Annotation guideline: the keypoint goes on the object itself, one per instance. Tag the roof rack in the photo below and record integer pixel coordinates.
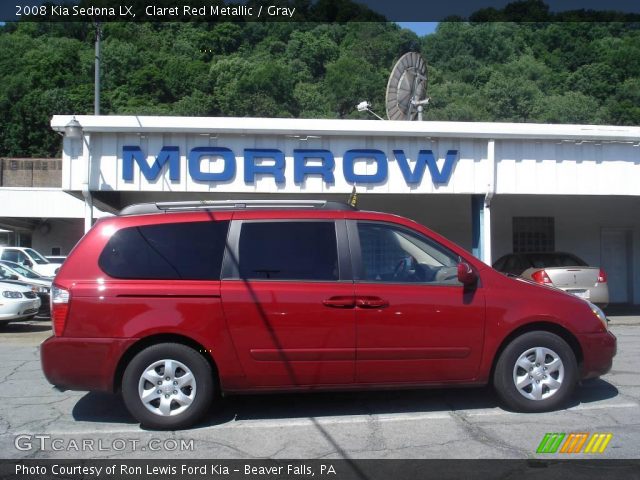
(164, 207)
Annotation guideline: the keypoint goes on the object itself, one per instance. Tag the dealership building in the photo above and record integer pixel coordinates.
(494, 188)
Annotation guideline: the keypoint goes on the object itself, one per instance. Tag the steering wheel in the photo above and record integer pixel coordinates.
(403, 266)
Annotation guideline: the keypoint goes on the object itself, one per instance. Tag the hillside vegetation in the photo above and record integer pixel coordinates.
(564, 72)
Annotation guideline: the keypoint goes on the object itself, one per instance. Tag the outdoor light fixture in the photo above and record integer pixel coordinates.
(73, 129)
(366, 107)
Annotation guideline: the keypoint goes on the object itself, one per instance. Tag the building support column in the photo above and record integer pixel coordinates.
(88, 208)
(477, 225)
(481, 211)
(86, 187)
(486, 229)
(491, 190)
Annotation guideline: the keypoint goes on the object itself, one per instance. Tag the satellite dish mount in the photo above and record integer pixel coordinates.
(407, 88)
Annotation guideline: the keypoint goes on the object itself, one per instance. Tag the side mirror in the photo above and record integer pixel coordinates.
(13, 277)
(466, 275)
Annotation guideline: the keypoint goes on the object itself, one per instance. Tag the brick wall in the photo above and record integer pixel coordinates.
(30, 172)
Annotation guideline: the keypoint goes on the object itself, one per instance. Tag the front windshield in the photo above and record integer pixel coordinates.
(39, 259)
(6, 274)
(24, 271)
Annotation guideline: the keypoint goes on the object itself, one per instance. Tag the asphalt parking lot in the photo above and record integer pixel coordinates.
(39, 422)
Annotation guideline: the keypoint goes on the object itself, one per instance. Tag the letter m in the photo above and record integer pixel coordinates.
(131, 153)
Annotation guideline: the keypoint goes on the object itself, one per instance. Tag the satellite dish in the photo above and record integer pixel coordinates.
(407, 88)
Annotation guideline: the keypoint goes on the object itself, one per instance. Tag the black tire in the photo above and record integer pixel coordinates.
(205, 386)
(504, 382)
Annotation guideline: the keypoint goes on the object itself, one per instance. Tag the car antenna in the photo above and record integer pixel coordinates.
(353, 198)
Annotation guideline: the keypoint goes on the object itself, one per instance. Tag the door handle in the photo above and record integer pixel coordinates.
(339, 302)
(371, 302)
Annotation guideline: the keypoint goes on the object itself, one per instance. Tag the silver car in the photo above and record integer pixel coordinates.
(17, 302)
(11, 271)
(561, 270)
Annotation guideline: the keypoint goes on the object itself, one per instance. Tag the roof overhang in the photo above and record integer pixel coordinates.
(297, 127)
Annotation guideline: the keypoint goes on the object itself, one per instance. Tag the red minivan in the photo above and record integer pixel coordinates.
(174, 303)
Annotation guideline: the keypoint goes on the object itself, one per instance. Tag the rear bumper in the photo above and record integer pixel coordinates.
(598, 294)
(82, 363)
(599, 350)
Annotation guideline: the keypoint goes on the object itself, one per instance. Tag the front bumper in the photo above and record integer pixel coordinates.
(18, 310)
(82, 363)
(598, 351)
(45, 305)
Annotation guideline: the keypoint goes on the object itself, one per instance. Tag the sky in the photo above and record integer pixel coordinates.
(421, 28)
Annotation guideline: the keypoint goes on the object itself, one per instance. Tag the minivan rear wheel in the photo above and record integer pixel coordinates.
(168, 386)
(536, 372)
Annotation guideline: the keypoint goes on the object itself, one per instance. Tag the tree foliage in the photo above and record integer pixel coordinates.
(563, 72)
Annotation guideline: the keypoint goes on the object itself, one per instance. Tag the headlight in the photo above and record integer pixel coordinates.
(10, 294)
(597, 311)
(39, 289)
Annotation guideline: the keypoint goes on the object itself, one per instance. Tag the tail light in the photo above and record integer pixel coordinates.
(541, 277)
(59, 309)
(602, 276)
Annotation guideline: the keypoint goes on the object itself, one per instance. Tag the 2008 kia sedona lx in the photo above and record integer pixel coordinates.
(173, 303)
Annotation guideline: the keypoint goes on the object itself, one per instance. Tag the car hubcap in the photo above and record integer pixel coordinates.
(538, 373)
(167, 387)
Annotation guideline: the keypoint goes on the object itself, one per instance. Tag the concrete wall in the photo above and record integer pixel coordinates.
(30, 172)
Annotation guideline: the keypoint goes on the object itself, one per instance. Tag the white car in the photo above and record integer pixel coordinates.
(30, 258)
(17, 302)
(11, 272)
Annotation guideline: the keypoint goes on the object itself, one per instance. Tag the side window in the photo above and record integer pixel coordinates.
(288, 251)
(172, 251)
(394, 254)
(14, 256)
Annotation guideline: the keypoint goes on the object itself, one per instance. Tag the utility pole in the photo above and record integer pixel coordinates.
(96, 92)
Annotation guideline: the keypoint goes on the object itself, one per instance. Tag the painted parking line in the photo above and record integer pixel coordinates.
(353, 419)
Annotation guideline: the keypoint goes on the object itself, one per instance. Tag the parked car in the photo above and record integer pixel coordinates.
(17, 302)
(30, 258)
(39, 284)
(561, 270)
(173, 303)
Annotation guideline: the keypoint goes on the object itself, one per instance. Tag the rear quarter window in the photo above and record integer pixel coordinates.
(172, 251)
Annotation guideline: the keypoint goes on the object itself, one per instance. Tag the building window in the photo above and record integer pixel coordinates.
(533, 234)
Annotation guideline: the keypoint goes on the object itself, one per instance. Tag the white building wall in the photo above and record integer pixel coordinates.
(530, 158)
(41, 203)
(567, 167)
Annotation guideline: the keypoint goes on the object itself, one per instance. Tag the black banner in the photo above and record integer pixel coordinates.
(319, 469)
(317, 10)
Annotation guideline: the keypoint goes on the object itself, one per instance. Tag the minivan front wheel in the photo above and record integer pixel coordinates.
(536, 372)
(168, 386)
